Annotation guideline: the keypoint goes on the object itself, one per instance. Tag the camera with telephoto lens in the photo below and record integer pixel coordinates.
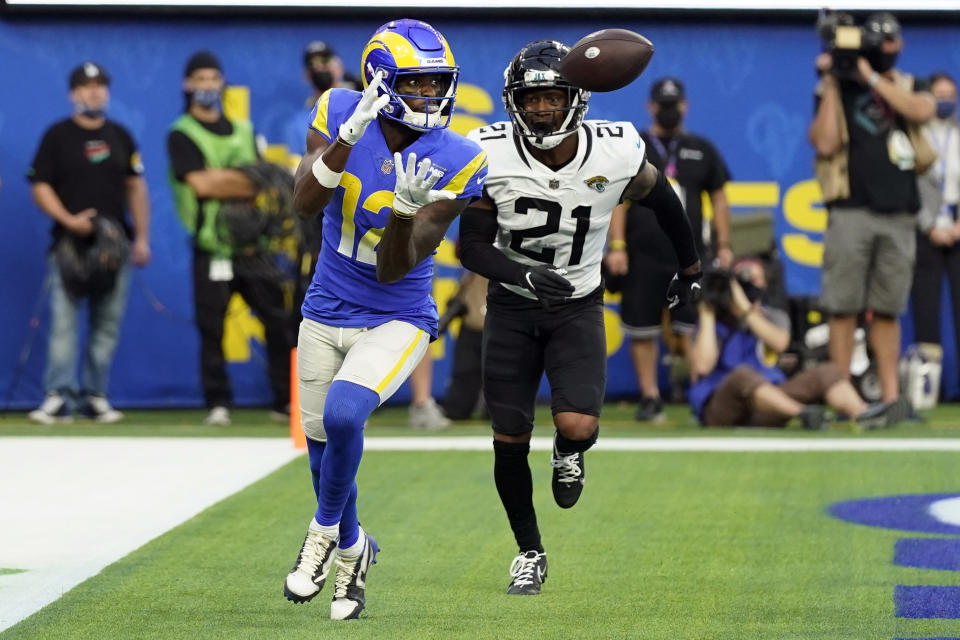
(715, 288)
(846, 42)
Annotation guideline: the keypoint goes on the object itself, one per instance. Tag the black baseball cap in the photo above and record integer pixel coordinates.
(202, 60)
(668, 89)
(884, 23)
(88, 72)
(317, 48)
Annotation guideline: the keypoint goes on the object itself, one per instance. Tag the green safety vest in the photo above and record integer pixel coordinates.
(219, 152)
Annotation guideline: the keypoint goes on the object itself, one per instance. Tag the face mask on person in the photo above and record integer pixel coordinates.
(322, 80)
(206, 98)
(89, 112)
(882, 62)
(946, 109)
(668, 117)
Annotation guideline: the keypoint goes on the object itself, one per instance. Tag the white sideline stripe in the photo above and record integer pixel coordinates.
(693, 443)
(71, 506)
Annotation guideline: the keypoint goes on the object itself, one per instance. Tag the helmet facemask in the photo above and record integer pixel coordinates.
(438, 109)
(535, 67)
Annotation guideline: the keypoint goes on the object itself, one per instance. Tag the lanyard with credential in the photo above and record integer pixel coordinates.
(669, 154)
(942, 146)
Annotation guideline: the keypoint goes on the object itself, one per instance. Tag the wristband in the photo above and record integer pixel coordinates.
(404, 216)
(326, 176)
(618, 245)
(873, 79)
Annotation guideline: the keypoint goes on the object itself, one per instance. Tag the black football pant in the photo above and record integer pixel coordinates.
(932, 264)
(261, 289)
(463, 392)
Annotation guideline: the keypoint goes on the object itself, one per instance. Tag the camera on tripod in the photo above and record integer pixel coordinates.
(846, 42)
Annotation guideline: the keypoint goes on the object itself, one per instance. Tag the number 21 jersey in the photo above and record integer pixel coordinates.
(559, 217)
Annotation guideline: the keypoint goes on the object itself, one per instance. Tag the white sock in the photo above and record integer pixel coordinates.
(327, 531)
(356, 548)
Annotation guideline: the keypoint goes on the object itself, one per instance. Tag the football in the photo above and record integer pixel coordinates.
(607, 60)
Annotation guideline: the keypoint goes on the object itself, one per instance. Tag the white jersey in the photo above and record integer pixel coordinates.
(561, 217)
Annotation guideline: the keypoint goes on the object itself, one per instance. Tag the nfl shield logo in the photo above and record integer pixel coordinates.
(386, 167)
(554, 184)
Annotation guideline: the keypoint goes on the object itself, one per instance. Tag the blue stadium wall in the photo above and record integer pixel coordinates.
(749, 87)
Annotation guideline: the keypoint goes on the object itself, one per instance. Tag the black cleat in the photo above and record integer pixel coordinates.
(529, 571)
(309, 572)
(568, 473)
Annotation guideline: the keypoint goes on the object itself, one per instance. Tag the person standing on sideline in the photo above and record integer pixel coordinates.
(388, 178)
(640, 257)
(205, 148)
(869, 151)
(938, 234)
(86, 173)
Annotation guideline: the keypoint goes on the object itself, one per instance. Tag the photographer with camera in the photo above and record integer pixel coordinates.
(869, 151)
(735, 349)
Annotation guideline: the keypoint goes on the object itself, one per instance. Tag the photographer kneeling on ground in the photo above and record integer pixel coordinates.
(733, 355)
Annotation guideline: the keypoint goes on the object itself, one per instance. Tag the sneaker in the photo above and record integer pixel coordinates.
(218, 417)
(310, 571)
(568, 474)
(884, 415)
(54, 409)
(813, 418)
(97, 408)
(650, 410)
(349, 595)
(428, 416)
(280, 414)
(529, 571)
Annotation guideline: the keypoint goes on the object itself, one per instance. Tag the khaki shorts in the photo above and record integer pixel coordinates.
(868, 261)
(379, 359)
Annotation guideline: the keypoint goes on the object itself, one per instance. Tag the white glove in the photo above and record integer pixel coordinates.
(366, 111)
(415, 190)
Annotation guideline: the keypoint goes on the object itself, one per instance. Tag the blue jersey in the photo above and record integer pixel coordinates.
(344, 291)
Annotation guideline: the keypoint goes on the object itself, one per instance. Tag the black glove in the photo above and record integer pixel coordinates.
(547, 283)
(684, 289)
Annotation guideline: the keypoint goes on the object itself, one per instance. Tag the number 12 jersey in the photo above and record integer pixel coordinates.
(559, 217)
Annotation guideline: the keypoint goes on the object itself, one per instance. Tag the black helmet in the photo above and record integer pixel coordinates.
(537, 66)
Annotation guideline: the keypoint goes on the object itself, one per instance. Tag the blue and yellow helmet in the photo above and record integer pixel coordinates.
(412, 47)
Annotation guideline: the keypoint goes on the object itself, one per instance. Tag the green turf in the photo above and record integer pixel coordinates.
(616, 420)
(662, 545)
(4, 571)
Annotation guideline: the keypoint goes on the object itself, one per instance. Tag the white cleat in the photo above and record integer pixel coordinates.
(309, 573)
(349, 596)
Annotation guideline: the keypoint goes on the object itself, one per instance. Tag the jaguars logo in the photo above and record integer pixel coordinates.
(597, 183)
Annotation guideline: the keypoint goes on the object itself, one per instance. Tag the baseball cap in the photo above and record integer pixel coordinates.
(88, 72)
(667, 89)
(202, 60)
(883, 22)
(317, 48)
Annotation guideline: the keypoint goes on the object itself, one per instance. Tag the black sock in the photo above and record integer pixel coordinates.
(566, 447)
(511, 472)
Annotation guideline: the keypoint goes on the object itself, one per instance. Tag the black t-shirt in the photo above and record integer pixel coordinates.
(696, 166)
(87, 168)
(875, 181)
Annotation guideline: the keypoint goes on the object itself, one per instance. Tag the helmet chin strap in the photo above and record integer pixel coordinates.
(550, 142)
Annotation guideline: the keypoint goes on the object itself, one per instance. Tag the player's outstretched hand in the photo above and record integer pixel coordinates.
(365, 113)
(414, 188)
(684, 289)
(548, 284)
